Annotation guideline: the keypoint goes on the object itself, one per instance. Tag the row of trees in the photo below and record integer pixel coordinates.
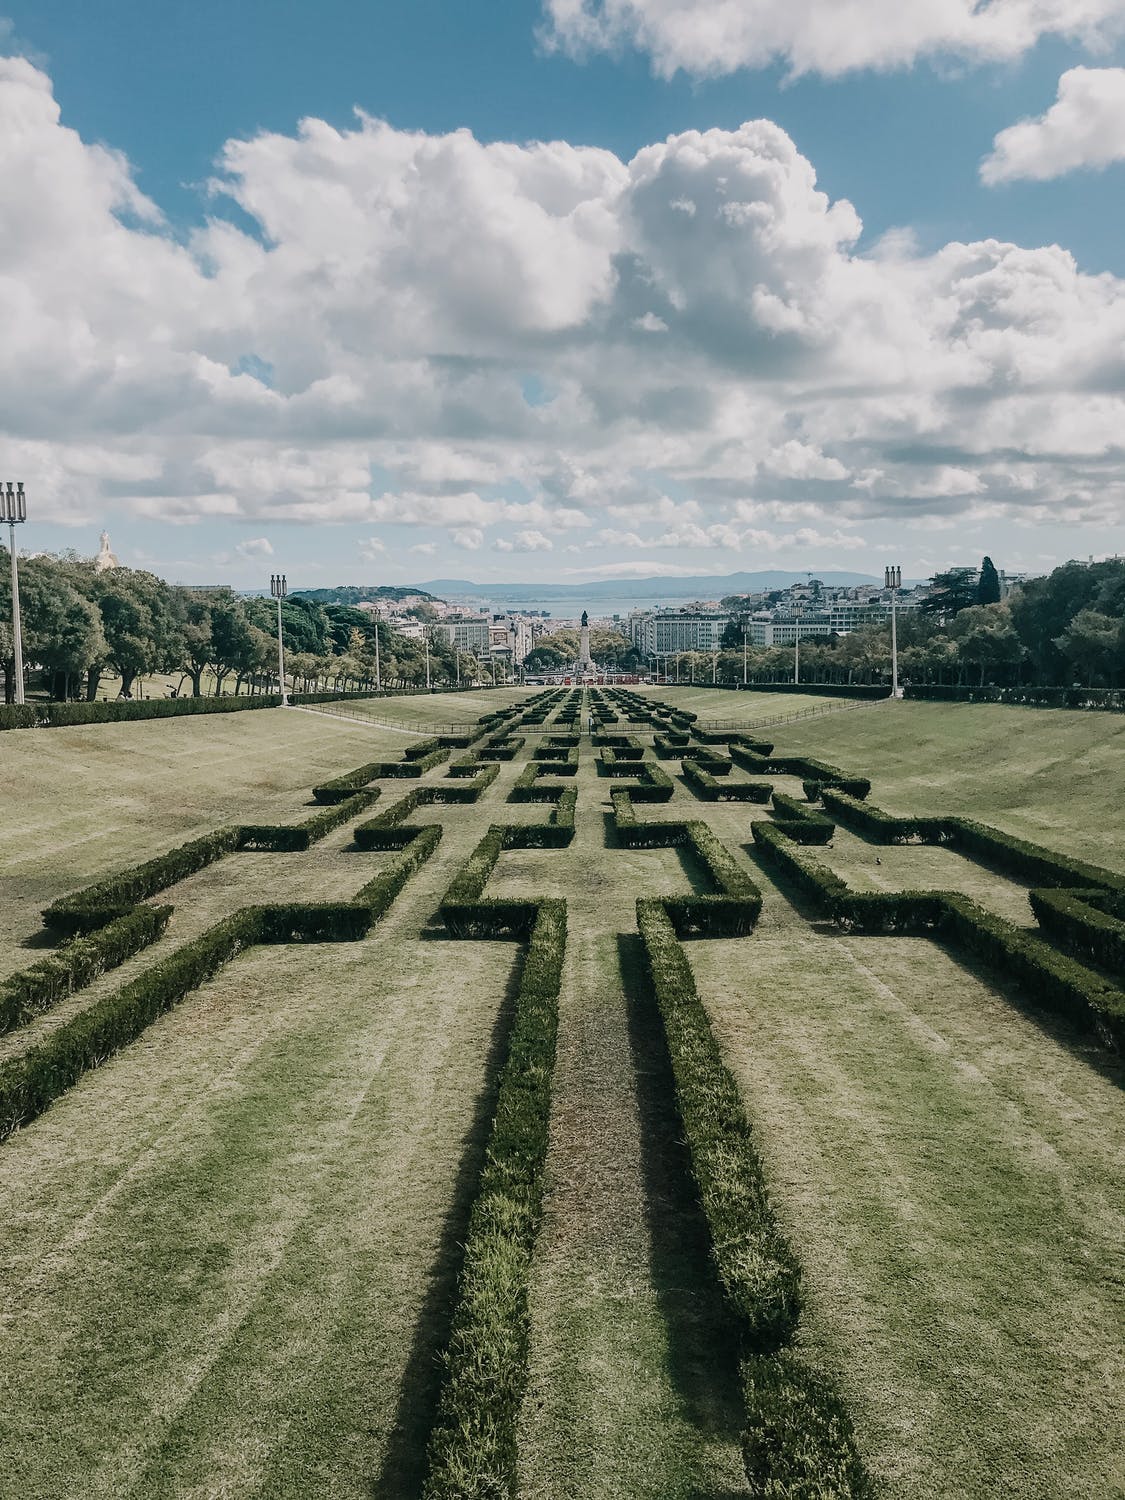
(80, 626)
(1065, 628)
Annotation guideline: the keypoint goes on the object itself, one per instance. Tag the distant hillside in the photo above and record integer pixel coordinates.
(350, 593)
(702, 586)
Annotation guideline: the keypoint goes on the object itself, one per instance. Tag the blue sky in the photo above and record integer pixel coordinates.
(591, 394)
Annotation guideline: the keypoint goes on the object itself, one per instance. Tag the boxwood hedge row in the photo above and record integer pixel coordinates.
(709, 788)
(1073, 920)
(77, 964)
(32, 1080)
(472, 1449)
(798, 1441)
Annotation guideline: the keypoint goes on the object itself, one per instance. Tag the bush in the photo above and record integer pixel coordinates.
(115, 897)
(472, 1449)
(1111, 699)
(415, 767)
(655, 785)
(799, 1443)
(709, 789)
(286, 838)
(758, 1270)
(1073, 921)
(78, 964)
(342, 787)
(881, 827)
(17, 716)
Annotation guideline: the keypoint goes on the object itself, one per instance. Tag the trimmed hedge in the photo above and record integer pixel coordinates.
(412, 767)
(1073, 921)
(655, 785)
(1111, 699)
(101, 711)
(709, 789)
(31, 1081)
(502, 748)
(472, 1450)
(390, 830)
(108, 900)
(1054, 981)
(757, 1268)
(79, 963)
(291, 838)
(799, 1440)
(881, 827)
(670, 746)
(799, 821)
(340, 788)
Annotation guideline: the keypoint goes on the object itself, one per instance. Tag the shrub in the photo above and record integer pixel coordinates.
(758, 1270)
(1074, 922)
(472, 1449)
(78, 964)
(339, 789)
(881, 827)
(799, 1441)
(709, 789)
(655, 785)
(110, 899)
(418, 766)
(293, 837)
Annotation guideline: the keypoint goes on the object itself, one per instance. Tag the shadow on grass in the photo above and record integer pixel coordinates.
(703, 1348)
(403, 1469)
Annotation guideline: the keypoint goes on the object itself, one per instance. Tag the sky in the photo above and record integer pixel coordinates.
(373, 292)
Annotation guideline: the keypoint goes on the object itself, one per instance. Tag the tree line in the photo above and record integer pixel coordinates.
(80, 626)
(1065, 629)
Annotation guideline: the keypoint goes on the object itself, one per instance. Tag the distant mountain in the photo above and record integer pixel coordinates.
(351, 593)
(701, 586)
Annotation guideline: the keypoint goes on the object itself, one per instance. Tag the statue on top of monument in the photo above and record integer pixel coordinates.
(585, 620)
(105, 558)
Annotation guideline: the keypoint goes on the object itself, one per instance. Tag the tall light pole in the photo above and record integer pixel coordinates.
(714, 669)
(427, 638)
(279, 589)
(797, 648)
(744, 633)
(893, 580)
(378, 665)
(13, 509)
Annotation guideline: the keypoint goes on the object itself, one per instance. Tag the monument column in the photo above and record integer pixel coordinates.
(584, 662)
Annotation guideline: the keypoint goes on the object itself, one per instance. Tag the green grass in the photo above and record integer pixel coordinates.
(953, 1180)
(228, 1254)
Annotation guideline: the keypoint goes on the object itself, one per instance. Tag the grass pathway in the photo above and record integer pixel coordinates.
(631, 1390)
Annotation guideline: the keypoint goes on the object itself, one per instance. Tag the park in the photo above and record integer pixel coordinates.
(593, 1091)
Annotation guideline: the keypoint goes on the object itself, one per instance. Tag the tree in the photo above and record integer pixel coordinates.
(986, 637)
(141, 630)
(988, 587)
(1093, 643)
(952, 592)
(544, 658)
(195, 632)
(62, 631)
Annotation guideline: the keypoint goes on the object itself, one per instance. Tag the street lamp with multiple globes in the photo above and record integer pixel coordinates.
(279, 589)
(893, 580)
(13, 509)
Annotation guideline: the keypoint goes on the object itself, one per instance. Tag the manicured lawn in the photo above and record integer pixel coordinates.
(229, 1253)
(953, 1178)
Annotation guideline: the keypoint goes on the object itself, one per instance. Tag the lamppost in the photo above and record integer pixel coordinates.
(893, 580)
(378, 665)
(427, 638)
(13, 509)
(714, 669)
(744, 633)
(279, 589)
(796, 648)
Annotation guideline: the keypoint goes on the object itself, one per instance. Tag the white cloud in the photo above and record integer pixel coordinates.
(372, 550)
(797, 384)
(709, 38)
(1085, 127)
(531, 541)
(258, 546)
(424, 549)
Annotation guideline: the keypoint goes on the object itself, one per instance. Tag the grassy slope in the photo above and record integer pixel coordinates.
(219, 1251)
(1050, 775)
(82, 803)
(953, 1179)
